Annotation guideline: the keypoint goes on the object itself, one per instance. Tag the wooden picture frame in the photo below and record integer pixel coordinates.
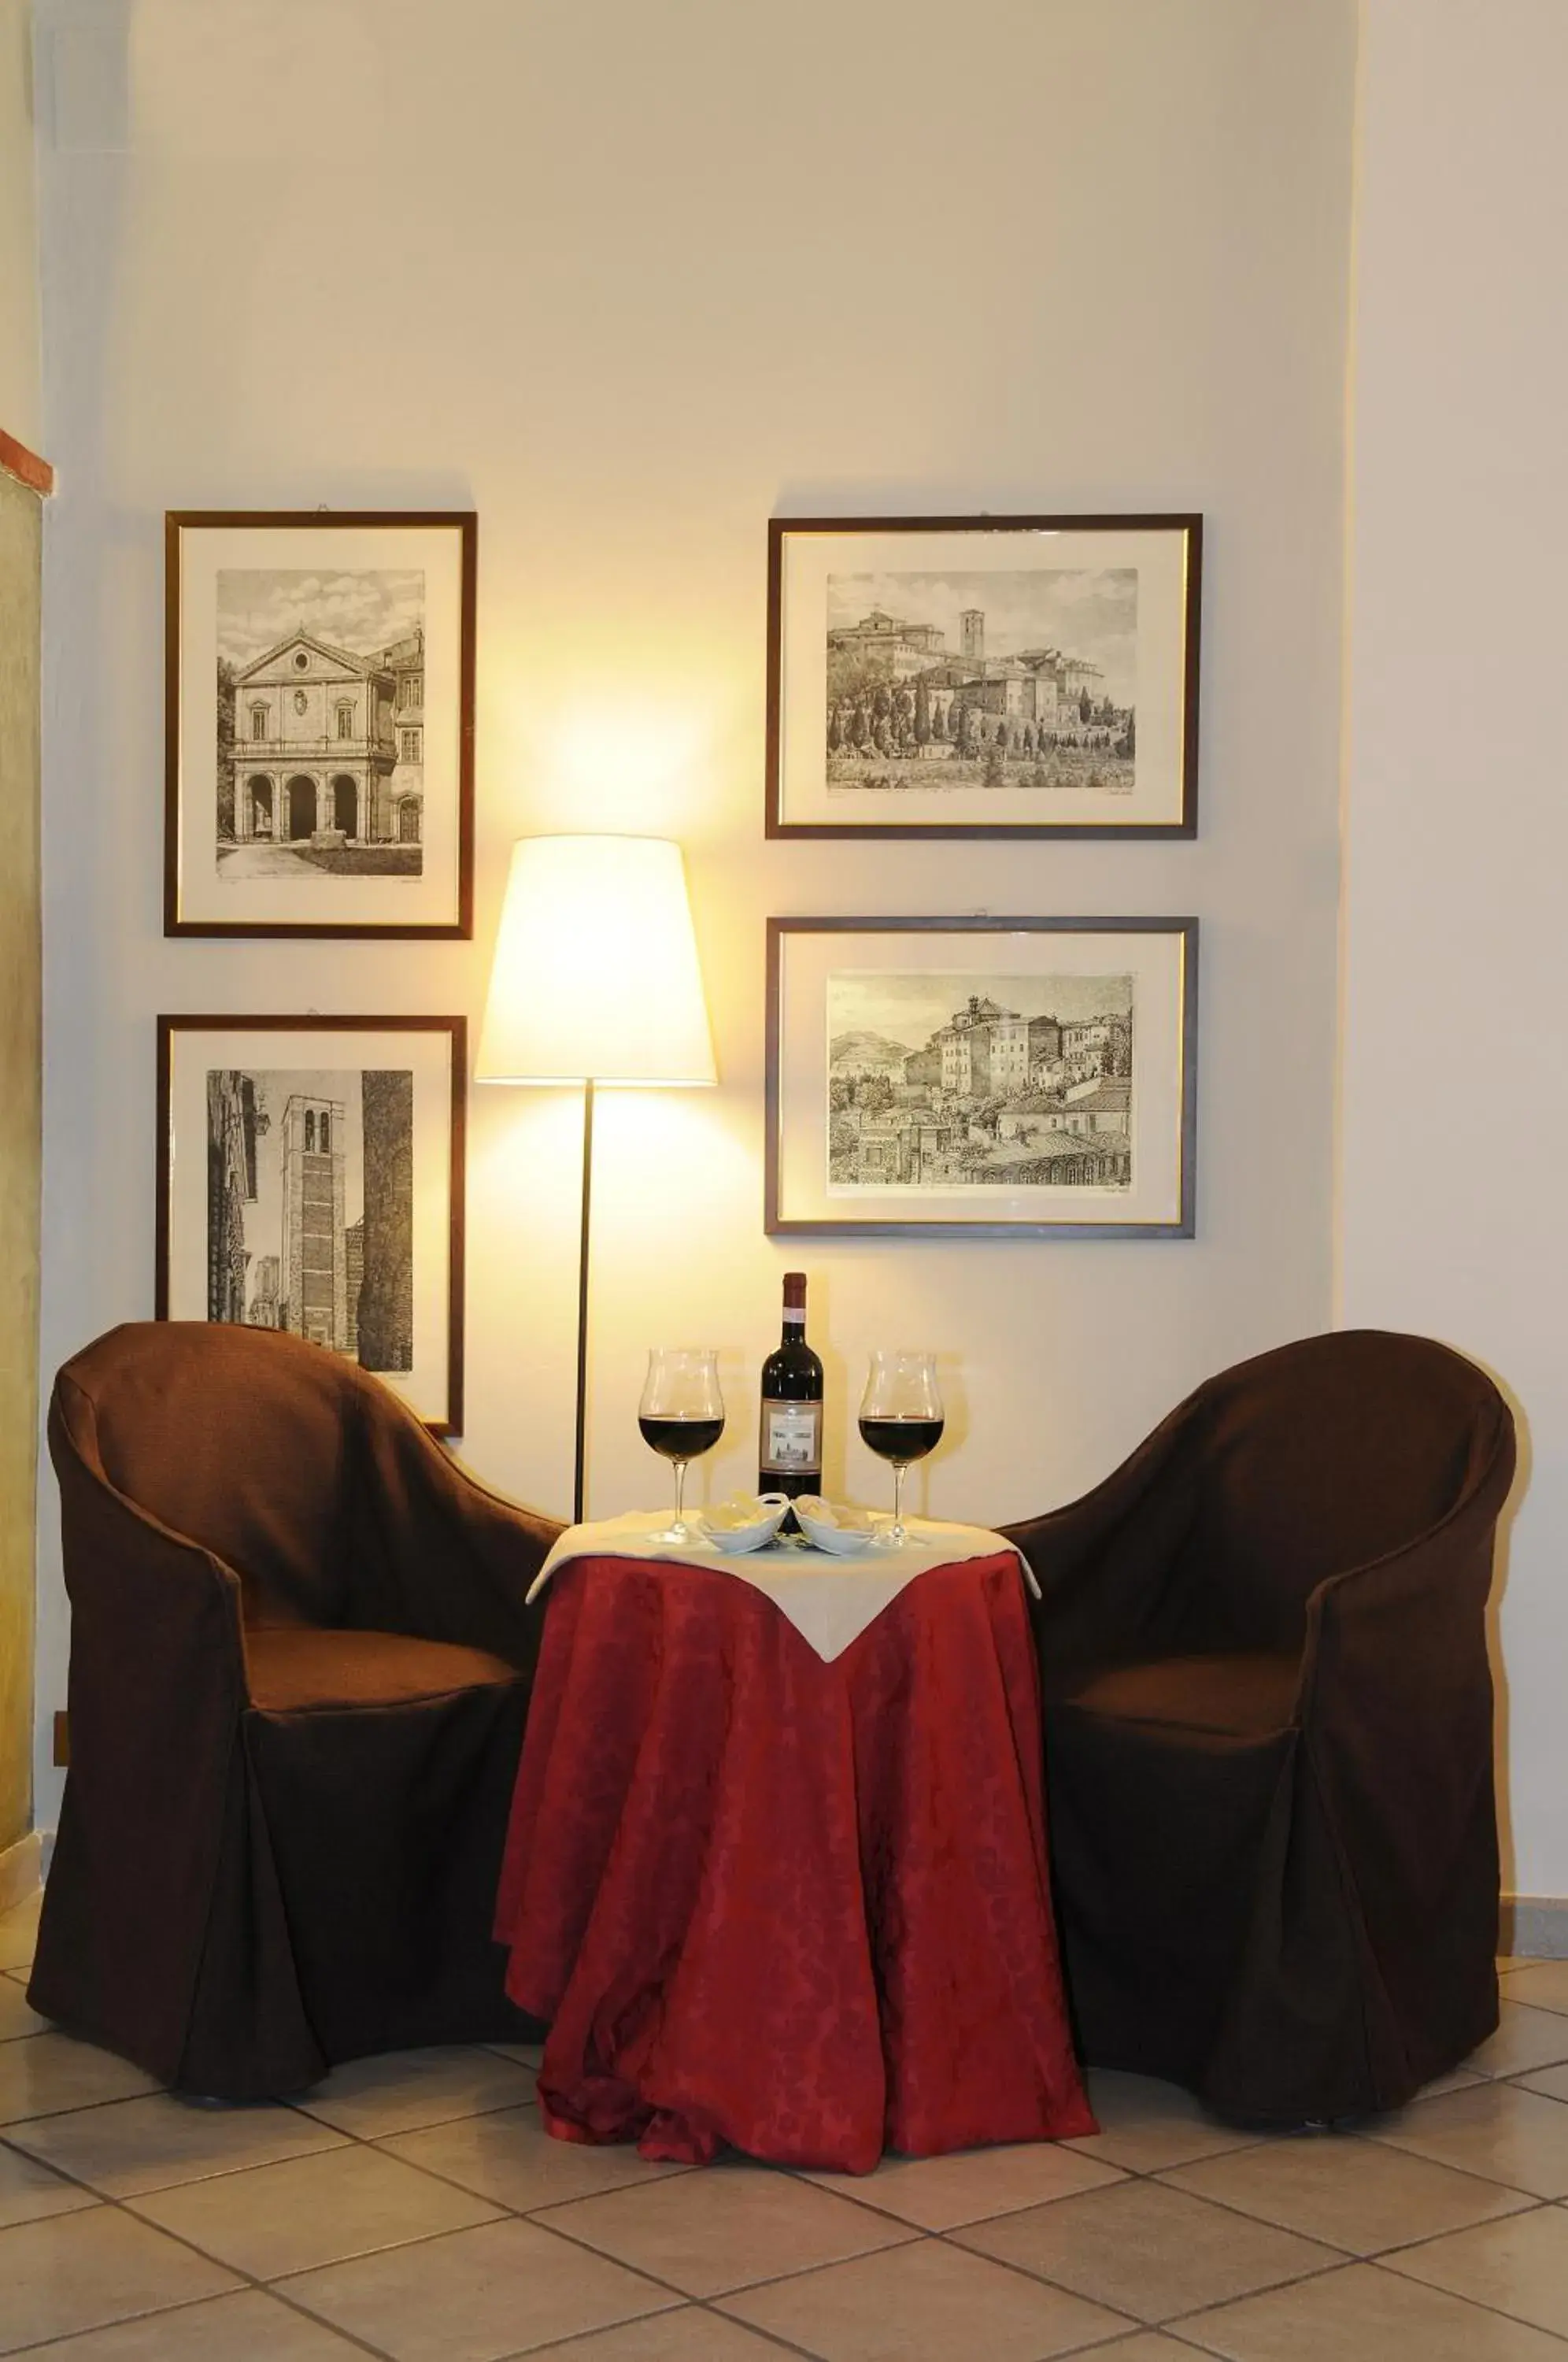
(319, 723)
(974, 1077)
(983, 676)
(252, 1108)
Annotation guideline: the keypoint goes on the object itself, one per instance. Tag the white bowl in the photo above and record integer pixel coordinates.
(742, 1539)
(842, 1542)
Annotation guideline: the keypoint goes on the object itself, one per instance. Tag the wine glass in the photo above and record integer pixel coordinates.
(681, 1416)
(900, 1420)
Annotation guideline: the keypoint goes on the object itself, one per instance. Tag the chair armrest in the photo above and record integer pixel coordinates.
(137, 1587)
(440, 1554)
(1104, 1563)
(1402, 1618)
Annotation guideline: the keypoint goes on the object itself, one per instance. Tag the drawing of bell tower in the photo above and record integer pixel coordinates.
(315, 1301)
(972, 627)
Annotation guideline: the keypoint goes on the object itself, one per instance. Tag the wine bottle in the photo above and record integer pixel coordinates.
(790, 1454)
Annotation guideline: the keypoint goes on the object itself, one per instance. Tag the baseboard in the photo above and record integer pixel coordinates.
(22, 1868)
(1534, 1927)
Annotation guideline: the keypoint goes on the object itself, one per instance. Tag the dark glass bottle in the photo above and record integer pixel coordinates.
(790, 1454)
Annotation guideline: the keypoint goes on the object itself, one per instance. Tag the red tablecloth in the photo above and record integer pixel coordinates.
(798, 1908)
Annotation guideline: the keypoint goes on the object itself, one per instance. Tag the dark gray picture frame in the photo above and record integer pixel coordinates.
(781, 1222)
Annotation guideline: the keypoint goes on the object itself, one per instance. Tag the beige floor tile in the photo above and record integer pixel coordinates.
(312, 2209)
(402, 2090)
(18, 1932)
(1354, 2195)
(1455, 2081)
(931, 2300)
(1519, 2267)
(49, 2073)
(939, 2192)
(152, 2143)
(526, 2053)
(16, 2019)
(1542, 1983)
(1525, 2038)
(81, 2271)
(250, 2327)
(1550, 2082)
(684, 2335)
(1145, 2126)
(1497, 2130)
(28, 2192)
(1148, 2251)
(725, 2227)
(508, 2289)
(1148, 2345)
(1364, 2315)
(508, 2156)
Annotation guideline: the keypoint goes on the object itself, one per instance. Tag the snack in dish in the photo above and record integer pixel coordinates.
(746, 1521)
(835, 1526)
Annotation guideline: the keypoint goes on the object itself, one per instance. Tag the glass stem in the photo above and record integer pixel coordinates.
(680, 1493)
(899, 1499)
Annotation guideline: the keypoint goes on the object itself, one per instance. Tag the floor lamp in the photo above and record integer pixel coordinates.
(595, 982)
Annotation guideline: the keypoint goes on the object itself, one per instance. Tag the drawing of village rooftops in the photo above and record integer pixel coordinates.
(1025, 678)
(1012, 1082)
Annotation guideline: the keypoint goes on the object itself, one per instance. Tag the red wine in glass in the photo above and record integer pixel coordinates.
(900, 1420)
(901, 1440)
(681, 1416)
(680, 1438)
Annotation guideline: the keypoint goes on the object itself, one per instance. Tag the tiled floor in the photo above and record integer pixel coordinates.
(412, 2208)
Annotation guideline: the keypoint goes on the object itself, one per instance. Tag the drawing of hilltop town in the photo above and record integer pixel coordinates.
(1025, 678)
(310, 1207)
(320, 723)
(938, 1082)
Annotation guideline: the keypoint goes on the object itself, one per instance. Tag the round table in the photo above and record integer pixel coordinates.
(796, 1906)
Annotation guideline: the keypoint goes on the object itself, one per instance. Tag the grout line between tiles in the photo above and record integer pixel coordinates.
(1396, 2246)
(1480, 2304)
(1196, 2312)
(696, 2303)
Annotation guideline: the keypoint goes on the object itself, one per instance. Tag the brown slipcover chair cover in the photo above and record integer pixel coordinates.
(300, 1665)
(1268, 1719)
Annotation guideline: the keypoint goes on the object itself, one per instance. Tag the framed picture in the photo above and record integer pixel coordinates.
(319, 723)
(1001, 1077)
(310, 1177)
(983, 676)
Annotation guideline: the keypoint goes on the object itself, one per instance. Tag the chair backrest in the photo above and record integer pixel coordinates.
(237, 1438)
(1325, 1455)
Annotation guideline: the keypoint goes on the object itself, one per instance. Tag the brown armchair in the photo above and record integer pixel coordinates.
(300, 1667)
(1268, 1730)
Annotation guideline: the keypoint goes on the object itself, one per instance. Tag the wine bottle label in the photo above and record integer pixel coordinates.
(791, 1437)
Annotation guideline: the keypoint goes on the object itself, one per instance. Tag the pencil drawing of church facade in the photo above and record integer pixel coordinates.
(328, 747)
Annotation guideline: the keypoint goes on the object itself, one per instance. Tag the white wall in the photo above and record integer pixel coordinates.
(1455, 1092)
(629, 280)
(19, 393)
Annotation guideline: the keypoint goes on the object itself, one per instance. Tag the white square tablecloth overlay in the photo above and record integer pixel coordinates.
(829, 1600)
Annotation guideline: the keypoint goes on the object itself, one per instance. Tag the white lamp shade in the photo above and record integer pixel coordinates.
(596, 975)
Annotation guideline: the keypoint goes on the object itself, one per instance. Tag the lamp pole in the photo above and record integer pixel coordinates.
(580, 1435)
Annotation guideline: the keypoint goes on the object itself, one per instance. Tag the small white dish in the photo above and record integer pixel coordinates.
(827, 1534)
(743, 1540)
